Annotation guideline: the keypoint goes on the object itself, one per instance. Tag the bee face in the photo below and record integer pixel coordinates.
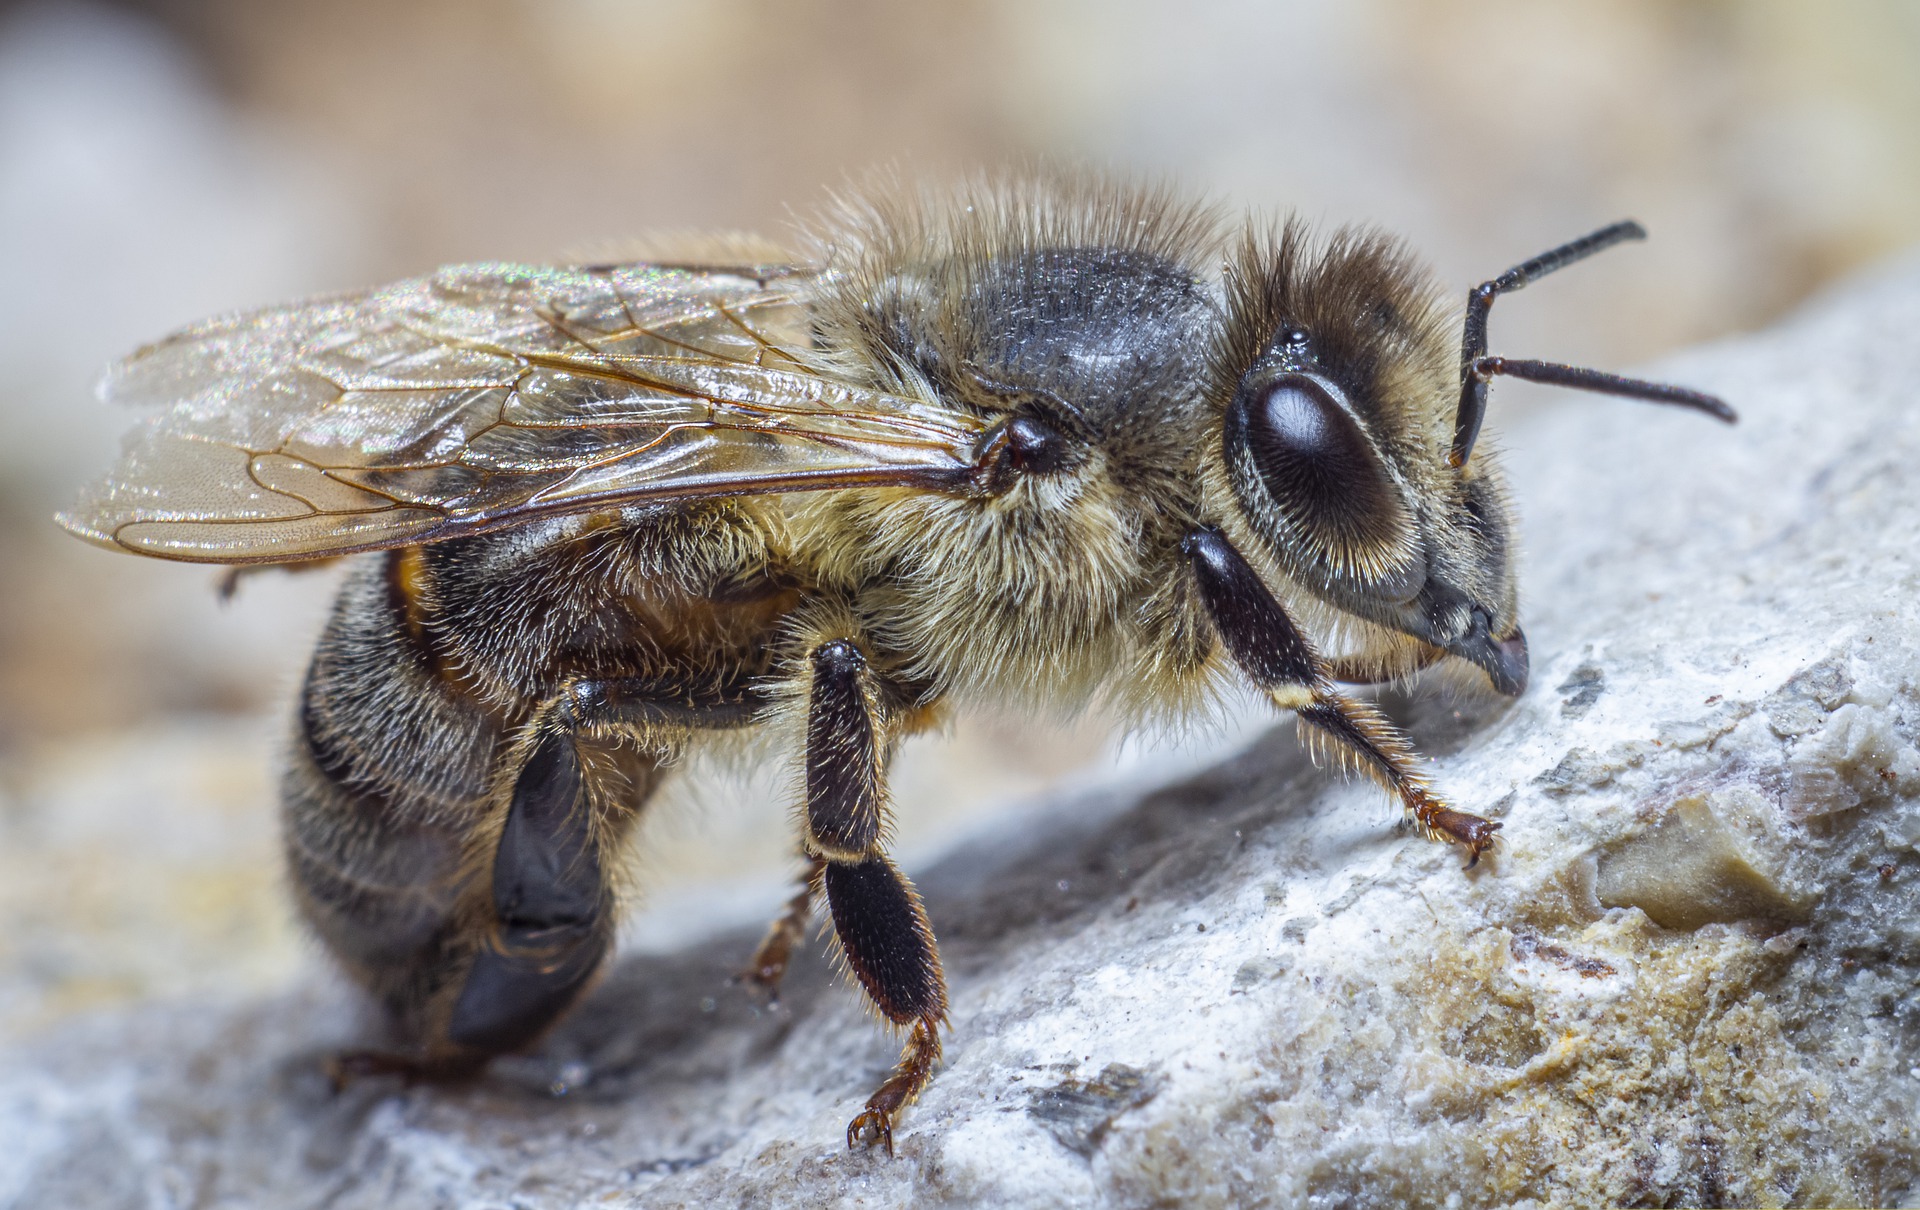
(1332, 380)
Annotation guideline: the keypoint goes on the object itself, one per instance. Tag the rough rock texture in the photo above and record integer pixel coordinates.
(1691, 977)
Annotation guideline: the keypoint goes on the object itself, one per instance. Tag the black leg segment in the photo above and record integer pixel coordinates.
(642, 702)
(1256, 631)
(843, 754)
(551, 906)
(884, 933)
(889, 946)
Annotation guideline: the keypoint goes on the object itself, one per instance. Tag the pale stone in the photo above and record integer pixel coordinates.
(1250, 987)
(1691, 869)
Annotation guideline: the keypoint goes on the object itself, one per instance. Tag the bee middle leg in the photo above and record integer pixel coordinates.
(882, 929)
(1270, 649)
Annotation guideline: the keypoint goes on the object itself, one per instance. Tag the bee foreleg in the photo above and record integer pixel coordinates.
(1270, 649)
(882, 929)
(1378, 749)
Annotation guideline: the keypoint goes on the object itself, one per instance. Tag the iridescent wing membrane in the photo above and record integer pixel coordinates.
(484, 395)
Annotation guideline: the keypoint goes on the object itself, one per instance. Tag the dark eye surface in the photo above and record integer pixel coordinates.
(1315, 462)
(1034, 447)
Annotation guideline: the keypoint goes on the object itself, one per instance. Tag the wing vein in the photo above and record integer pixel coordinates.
(485, 396)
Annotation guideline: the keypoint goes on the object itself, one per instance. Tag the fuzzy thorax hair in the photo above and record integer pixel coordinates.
(1084, 305)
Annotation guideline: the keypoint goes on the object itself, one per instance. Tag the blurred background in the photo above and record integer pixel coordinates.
(164, 159)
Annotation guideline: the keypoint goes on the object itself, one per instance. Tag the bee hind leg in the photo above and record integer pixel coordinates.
(769, 963)
(552, 906)
(550, 898)
(882, 928)
(517, 956)
(1273, 653)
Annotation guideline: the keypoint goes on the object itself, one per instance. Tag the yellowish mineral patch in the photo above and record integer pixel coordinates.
(1691, 869)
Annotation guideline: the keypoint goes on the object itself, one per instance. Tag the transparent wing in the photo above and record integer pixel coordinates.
(484, 395)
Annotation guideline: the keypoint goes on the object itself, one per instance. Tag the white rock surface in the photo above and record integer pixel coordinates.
(1691, 977)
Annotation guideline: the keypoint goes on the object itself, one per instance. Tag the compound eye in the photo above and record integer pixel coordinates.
(1314, 463)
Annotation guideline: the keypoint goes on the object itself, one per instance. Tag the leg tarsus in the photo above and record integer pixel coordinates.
(349, 1066)
(1478, 834)
(551, 907)
(886, 940)
(874, 1123)
(1378, 749)
(769, 963)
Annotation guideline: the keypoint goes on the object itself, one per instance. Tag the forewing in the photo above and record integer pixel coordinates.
(483, 395)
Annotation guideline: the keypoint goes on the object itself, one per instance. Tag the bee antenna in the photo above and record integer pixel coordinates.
(1477, 368)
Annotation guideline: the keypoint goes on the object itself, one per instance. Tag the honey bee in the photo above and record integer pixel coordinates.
(1028, 446)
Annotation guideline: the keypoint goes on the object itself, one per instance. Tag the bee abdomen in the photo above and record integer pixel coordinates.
(387, 778)
(378, 712)
(459, 867)
(379, 890)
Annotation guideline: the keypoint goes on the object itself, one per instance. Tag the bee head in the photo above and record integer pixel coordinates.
(1335, 378)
